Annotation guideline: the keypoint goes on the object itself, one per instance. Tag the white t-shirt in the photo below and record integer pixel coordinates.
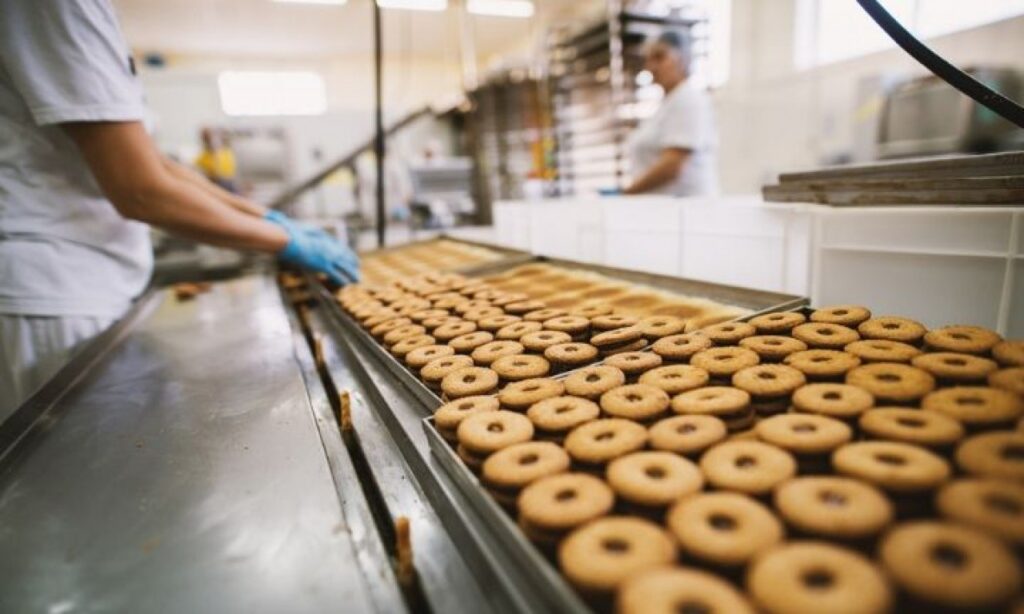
(685, 120)
(64, 249)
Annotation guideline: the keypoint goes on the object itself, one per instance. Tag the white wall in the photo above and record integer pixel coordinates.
(775, 118)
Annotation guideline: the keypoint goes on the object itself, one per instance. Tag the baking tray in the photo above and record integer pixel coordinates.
(502, 538)
(508, 254)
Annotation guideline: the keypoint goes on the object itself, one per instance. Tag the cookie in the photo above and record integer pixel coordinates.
(506, 298)
(841, 401)
(915, 426)
(976, 406)
(882, 350)
(543, 339)
(401, 349)
(516, 466)
(612, 321)
(483, 313)
(803, 434)
(949, 565)
(469, 381)
(489, 352)
(519, 367)
(656, 327)
(769, 381)
(574, 325)
(473, 306)
(451, 330)
(472, 461)
(521, 308)
(777, 323)
(671, 590)
(844, 315)
(810, 577)
(592, 382)
(892, 328)
(558, 415)
(825, 336)
(722, 362)
(520, 395)
(639, 402)
(833, 507)
(448, 417)
(723, 528)
(600, 441)
(772, 348)
(674, 379)
(653, 479)
(542, 315)
(953, 368)
(822, 365)
(465, 344)
(432, 324)
(891, 382)
(493, 324)
(514, 332)
(1011, 380)
(592, 311)
(1009, 353)
(749, 467)
(598, 557)
(679, 348)
(616, 337)
(487, 432)
(636, 346)
(385, 327)
(962, 339)
(436, 370)
(993, 506)
(731, 405)
(379, 318)
(997, 454)
(395, 335)
(688, 435)
(633, 364)
(565, 500)
(892, 466)
(569, 355)
(419, 357)
(728, 333)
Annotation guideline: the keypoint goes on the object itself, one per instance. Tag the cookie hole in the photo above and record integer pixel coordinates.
(692, 607)
(915, 423)
(710, 396)
(1003, 504)
(468, 379)
(593, 377)
(520, 363)
(970, 401)
(840, 312)
(949, 556)
(804, 427)
(615, 545)
(565, 495)
(765, 375)
(773, 342)
(776, 317)
(561, 409)
(723, 357)
(531, 388)
(890, 326)
(827, 332)
(890, 459)
(605, 436)
(495, 427)
(960, 336)
(728, 329)
(671, 376)
(721, 522)
(1013, 453)
(955, 362)
(685, 429)
(818, 579)
(655, 473)
(745, 462)
(681, 342)
(465, 406)
(888, 377)
(528, 459)
(632, 397)
(832, 396)
(570, 349)
(831, 498)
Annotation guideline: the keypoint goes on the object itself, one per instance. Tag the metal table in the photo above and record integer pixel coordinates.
(189, 460)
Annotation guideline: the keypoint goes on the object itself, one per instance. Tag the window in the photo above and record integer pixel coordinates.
(833, 30)
(272, 93)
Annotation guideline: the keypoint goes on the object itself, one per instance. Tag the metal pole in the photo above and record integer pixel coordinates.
(378, 145)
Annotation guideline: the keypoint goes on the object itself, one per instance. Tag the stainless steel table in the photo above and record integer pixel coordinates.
(184, 464)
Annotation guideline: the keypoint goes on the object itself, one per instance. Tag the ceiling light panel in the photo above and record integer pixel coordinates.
(414, 5)
(501, 8)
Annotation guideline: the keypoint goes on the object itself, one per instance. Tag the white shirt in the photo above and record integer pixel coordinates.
(64, 249)
(685, 120)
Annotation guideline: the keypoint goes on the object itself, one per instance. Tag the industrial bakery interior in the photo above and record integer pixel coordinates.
(512, 306)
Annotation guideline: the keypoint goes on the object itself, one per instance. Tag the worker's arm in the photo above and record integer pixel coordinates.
(200, 181)
(664, 170)
(133, 176)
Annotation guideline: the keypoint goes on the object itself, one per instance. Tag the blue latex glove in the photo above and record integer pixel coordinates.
(312, 248)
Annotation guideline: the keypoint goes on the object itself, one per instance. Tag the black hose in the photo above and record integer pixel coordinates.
(943, 69)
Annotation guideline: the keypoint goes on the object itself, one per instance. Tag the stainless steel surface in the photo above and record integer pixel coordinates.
(183, 472)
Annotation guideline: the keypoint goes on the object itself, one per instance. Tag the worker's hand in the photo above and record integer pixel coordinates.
(312, 248)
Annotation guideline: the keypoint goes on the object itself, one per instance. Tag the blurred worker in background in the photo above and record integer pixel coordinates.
(674, 150)
(80, 179)
(217, 161)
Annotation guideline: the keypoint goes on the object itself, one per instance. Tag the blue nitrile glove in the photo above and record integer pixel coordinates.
(312, 248)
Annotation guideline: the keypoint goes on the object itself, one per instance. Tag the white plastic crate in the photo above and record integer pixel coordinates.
(512, 224)
(571, 229)
(642, 234)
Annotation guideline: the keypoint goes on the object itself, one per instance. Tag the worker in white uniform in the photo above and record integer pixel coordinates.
(80, 179)
(674, 150)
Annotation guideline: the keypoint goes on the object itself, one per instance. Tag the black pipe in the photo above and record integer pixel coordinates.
(942, 68)
(378, 144)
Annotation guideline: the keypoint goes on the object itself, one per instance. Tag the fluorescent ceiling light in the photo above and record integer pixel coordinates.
(414, 5)
(501, 8)
(329, 2)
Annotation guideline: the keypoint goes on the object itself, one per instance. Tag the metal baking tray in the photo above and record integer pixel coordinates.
(502, 538)
(508, 254)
